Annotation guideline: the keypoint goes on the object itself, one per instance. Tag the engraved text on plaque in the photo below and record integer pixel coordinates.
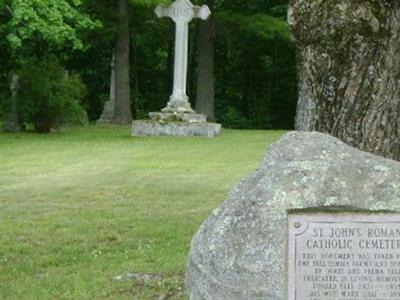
(344, 257)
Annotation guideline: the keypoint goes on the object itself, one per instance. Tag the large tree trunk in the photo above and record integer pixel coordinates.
(205, 97)
(123, 113)
(192, 66)
(349, 71)
(171, 55)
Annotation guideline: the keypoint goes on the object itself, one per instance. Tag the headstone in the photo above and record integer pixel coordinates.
(178, 118)
(109, 106)
(241, 251)
(12, 122)
(344, 256)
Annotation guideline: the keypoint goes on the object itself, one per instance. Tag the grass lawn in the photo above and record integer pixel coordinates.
(86, 212)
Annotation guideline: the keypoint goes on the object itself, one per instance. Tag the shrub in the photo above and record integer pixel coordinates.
(48, 97)
(232, 118)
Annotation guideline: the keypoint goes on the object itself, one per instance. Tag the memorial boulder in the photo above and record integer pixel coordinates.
(242, 250)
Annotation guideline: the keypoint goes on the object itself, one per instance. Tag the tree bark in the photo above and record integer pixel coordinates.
(205, 96)
(192, 66)
(123, 113)
(349, 71)
(171, 54)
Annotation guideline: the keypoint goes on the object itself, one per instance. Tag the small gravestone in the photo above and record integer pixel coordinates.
(109, 106)
(178, 118)
(12, 121)
(242, 250)
(348, 256)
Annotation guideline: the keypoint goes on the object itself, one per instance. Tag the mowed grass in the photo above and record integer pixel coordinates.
(80, 207)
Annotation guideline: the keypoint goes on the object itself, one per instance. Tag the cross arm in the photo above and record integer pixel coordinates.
(162, 11)
(201, 12)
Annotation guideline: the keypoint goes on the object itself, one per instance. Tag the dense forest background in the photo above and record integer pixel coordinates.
(254, 58)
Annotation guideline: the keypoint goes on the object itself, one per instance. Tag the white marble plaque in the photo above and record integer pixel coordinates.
(344, 256)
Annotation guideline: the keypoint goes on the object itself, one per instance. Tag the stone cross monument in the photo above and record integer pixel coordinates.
(181, 12)
(178, 118)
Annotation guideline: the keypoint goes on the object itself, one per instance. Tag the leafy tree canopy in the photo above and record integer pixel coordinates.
(55, 22)
(150, 2)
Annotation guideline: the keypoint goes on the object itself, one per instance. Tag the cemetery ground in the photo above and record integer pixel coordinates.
(92, 213)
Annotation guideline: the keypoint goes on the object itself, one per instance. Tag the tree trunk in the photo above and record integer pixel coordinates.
(192, 67)
(205, 98)
(349, 70)
(171, 55)
(12, 123)
(136, 74)
(136, 98)
(123, 113)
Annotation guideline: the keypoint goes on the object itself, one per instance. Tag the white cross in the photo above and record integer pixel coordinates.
(181, 12)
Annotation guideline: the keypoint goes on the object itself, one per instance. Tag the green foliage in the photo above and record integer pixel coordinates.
(279, 10)
(48, 97)
(150, 3)
(251, 7)
(255, 75)
(254, 66)
(232, 118)
(56, 23)
(262, 25)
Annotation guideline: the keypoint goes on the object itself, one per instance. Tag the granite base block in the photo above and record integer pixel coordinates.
(157, 128)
